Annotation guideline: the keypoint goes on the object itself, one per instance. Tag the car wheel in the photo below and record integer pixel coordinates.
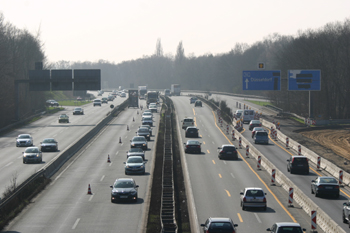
(135, 199)
(337, 195)
(344, 219)
(199, 152)
(265, 208)
(24, 161)
(126, 173)
(144, 172)
(316, 194)
(41, 160)
(243, 207)
(112, 200)
(312, 191)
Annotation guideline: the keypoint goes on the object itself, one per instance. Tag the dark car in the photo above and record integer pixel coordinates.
(78, 111)
(191, 132)
(104, 100)
(135, 152)
(135, 165)
(193, 100)
(216, 225)
(52, 103)
(139, 141)
(32, 154)
(49, 144)
(124, 189)
(193, 146)
(261, 137)
(198, 103)
(254, 123)
(63, 118)
(144, 132)
(255, 129)
(325, 185)
(227, 152)
(298, 164)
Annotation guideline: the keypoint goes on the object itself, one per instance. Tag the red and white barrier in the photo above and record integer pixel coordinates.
(272, 133)
(287, 142)
(273, 177)
(233, 135)
(240, 143)
(341, 177)
(278, 126)
(247, 151)
(259, 162)
(275, 134)
(120, 140)
(290, 199)
(313, 220)
(220, 123)
(299, 149)
(227, 128)
(318, 163)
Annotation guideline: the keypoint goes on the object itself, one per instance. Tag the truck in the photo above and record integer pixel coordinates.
(133, 98)
(152, 97)
(175, 89)
(142, 91)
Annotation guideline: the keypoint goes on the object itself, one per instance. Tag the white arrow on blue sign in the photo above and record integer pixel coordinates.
(267, 80)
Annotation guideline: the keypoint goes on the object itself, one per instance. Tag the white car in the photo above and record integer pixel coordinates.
(122, 94)
(147, 114)
(286, 227)
(188, 121)
(24, 140)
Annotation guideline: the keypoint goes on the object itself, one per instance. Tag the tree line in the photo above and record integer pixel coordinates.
(326, 48)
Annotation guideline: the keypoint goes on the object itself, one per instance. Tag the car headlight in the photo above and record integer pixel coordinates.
(115, 192)
(144, 144)
(37, 155)
(147, 135)
(132, 144)
(24, 155)
(127, 166)
(141, 166)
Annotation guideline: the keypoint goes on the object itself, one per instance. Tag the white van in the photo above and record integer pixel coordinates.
(247, 115)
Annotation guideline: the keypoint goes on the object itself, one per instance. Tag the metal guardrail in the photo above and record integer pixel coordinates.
(167, 210)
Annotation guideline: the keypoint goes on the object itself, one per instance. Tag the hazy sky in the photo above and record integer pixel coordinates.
(114, 30)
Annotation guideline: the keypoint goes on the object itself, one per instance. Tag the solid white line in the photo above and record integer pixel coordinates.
(91, 197)
(209, 135)
(257, 217)
(8, 164)
(213, 143)
(110, 164)
(102, 177)
(76, 223)
(233, 176)
(117, 153)
(224, 162)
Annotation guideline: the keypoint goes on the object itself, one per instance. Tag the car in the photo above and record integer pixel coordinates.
(148, 127)
(286, 227)
(97, 102)
(247, 115)
(253, 198)
(135, 165)
(193, 146)
(110, 98)
(104, 100)
(79, 98)
(227, 151)
(63, 118)
(298, 164)
(143, 132)
(136, 151)
(257, 129)
(147, 120)
(49, 144)
(122, 94)
(78, 111)
(191, 132)
(139, 141)
(147, 114)
(52, 103)
(124, 189)
(99, 93)
(167, 92)
(254, 123)
(32, 154)
(147, 110)
(193, 100)
(261, 137)
(153, 107)
(346, 212)
(239, 113)
(24, 140)
(219, 224)
(198, 103)
(325, 185)
(186, 122)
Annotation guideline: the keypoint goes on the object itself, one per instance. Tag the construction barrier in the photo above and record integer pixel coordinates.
(275, 134)
(259, 162)
(89, 190)
(313, 220)
(273, 177)
(233, 135)
(240, 143)
(287, 142)
(120, 140)
(299, 149)
(247, 151)
(108, 159)
(341, 177)
(290, 199)
(227, 128)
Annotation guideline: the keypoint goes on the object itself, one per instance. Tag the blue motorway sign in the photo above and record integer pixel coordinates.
(304, 80)
(264, 80)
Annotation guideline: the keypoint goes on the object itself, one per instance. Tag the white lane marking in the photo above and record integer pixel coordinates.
(117, 153)
(111, 164)
(233, 176)
(224, 162)
(102, 177)
(208, 135)
(257, 217)
(213, 143)
(76, 223)
(20, 157)
(8, 164)
(91, 197)
(54, 135)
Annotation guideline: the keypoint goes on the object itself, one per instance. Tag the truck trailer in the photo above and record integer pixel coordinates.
(175, 89)
(133, 98)
(142, 91)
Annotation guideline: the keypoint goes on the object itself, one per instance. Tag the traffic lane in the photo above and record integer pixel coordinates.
(12, 166)
(278, 154)
(210, 179)
(65, 206)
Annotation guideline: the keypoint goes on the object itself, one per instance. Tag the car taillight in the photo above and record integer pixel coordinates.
(199, 146)
(187, 146)
(244, 199)
(192, 123)
(264, 200)
(221, 152)
(259, 124)
(337, 187)
(320, 186)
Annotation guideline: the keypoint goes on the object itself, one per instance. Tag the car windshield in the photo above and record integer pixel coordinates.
(254, 193)
(134, 160)
(49, 140)
(23, 136)
(124, 184)
(143, 130)
(255, 122)
(139, 139)
(147, 118)
(145, 126)
(328, 180)
(32, 150)
(192, 142)
(289, 230)
(188, 120)
(221, 226)
(229, 148)
(77, 109)
(135, 150)
(63, 115)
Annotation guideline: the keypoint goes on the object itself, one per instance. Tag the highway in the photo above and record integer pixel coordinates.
(65, 205)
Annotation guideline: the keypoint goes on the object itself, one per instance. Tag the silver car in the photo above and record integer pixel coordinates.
(253, 197)
(32, 154)
(139, 141)
(49, 144)
(147, 121)
(24, 140)
(148, 127)
(135, 165)
(144, 132)
(135, 152)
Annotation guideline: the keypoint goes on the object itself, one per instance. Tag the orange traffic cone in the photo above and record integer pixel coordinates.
(108, 160)
(133, 119)
(120, 140)
(89, 190)
(127, 127)
(137, 112)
